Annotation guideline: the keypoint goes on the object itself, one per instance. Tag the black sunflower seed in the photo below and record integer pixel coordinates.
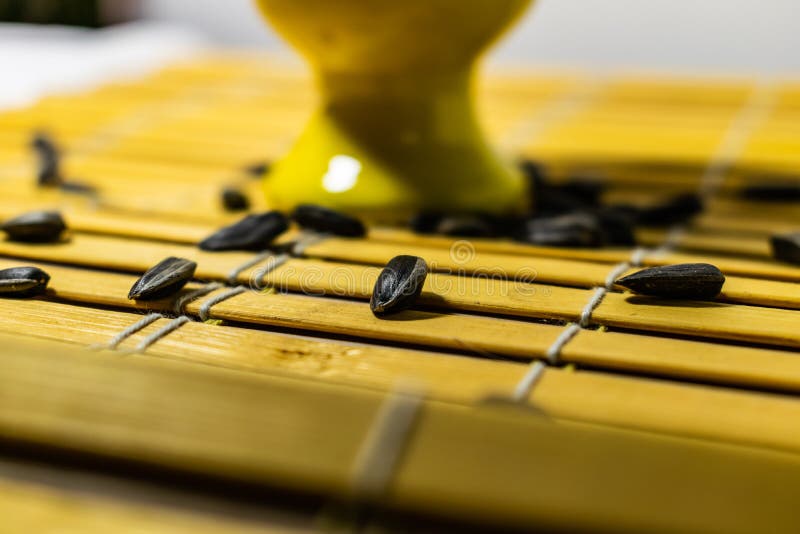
(163, 279)
(35, 227)
(321, 219)
(78, 188)
(254, 232)
(786, 247)
(698, 281)
(465, 226)
(398, 285)
(675, 210)
(571, 230)
(258, 169)
(23, 281)
(772, 192)
(586, 190)
(617, 226)
(48, 159)
(234, 200)
(425, 222)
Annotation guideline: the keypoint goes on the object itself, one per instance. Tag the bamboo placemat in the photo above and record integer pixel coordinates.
(722, 374)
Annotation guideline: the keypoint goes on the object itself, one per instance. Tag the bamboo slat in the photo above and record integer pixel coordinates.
(211, 420)
(666, 408)
(725, 364)
(28, 507)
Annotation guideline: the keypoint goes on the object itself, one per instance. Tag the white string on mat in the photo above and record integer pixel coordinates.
(142, 323)
(386, 439)
(306, 240)
(233, 276)
(205, 309)
(733, 142)
(273, 262)
(183, 300)
(161, 332)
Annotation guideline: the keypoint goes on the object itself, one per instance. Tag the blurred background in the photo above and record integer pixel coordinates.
(709, 37)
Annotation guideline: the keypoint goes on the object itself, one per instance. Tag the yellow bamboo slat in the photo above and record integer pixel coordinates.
(211, 419)
(704, 413)
(30, 507)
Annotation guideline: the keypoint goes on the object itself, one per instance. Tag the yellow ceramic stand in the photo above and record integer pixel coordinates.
(396, 129)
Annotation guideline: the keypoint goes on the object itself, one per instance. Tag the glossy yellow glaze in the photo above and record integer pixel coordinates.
(396, 129)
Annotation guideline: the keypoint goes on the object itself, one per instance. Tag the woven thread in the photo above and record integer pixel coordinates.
(129, 331)
(161, 332)
(216, 299)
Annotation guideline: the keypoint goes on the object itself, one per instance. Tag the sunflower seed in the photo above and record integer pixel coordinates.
(675, 210)
(572, 230)
(398, 285)
(35, 226)
(254, 232)
(425, 222)
(586, 189)
(78, 188)
(258, 169)
(320, 219)
(698, 281)
(786, 247)
(772, 192)
(48, 160)
(23, 281)
(234, 200)
(465, 226)
(617, 226)
(163, 279)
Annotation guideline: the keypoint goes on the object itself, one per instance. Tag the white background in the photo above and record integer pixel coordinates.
(745, 36)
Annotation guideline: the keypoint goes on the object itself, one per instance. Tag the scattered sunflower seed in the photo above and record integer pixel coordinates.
(786, 247)
(77, 188)
(234, 200)
(697, 281)
(163, 279)
(320, 219)
(48, 160)
(617, 226)
(398, 285)
(587, 190)
(675, 210)
(23, 281)
(571, 230)
(425, 222)
(772, 192)
(35, 227)
(465, 226)
(257, 170)
(254, 232)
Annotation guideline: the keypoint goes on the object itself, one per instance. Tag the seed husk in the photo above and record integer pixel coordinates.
(399, 285)
(772, 192)
(253, 232)
(257, 169)
(35, 227)
(617, 226)
(678, 209)
(586, 189)
(23, 281)
(425, 222)
(163, 279)
(571, 230)
(696, 281)
(234, 200)
(78, 188)
(786, 247)
(325, 220)
(48, 159)
(465, 226)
